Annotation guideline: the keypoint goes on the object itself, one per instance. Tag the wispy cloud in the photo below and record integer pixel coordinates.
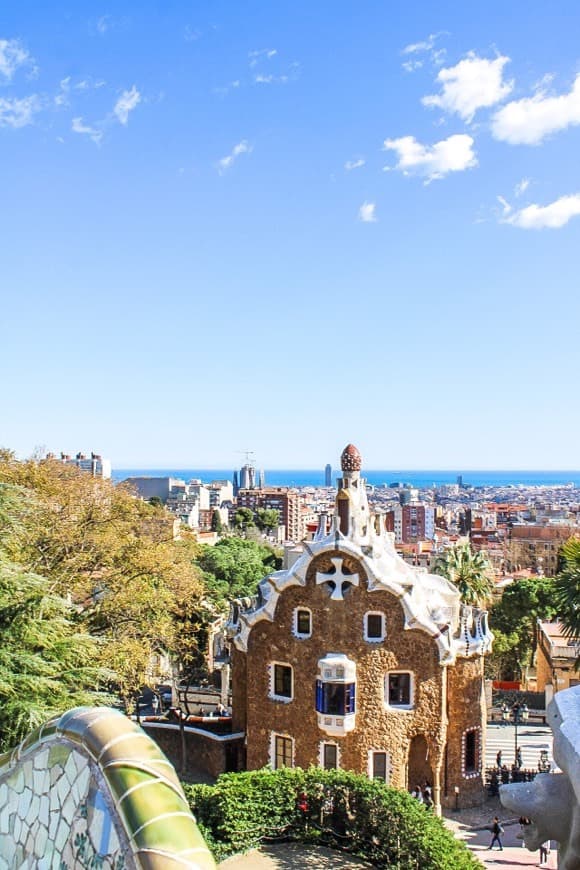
(453, 154)
(354, 164)
(94, 133)
(367, 213)
(191, 34)
(16, 112)
(13, 55)
(103, 23)
(423, 46)
(66, 86)
(255, 57)
(531, 120)
(521, 187)
(474, 83)
(537, 217)
(225, 89)
(242, 147)
(420, 52)
(128, 101)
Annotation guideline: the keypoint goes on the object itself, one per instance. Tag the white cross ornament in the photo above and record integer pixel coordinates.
(339, 578)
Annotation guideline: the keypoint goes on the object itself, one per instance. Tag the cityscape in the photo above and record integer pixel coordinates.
(289, 461)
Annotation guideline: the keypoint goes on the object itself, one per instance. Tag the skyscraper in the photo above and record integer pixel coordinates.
(328, 475)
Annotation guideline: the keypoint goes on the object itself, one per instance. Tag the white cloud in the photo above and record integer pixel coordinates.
(242, 147)
(530, 120)
(18, 112)
(474, 83)
(354, 164)
(367, 213)
(126, 103)
(521, 187)
(12, 56)
(419, 47)
(261, 54)
(505, 206)
(552, 216)
(412, 65)
(453, 154)
(93, 133)
(103, 23)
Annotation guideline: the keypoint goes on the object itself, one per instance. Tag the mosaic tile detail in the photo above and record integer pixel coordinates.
(92, 790)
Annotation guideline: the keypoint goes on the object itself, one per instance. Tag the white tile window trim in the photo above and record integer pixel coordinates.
(366, 627)
(300, 634)
(273, 735)
(471, 774)
(272, 693)
(411, 704)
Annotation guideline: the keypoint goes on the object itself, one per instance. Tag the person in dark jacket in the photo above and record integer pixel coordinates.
(496, 832)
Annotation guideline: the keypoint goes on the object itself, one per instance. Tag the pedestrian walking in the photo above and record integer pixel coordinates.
(496, 831)
(498, 759)
(544, 852)
(519, 759)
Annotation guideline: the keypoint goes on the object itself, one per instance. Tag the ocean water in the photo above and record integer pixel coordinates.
(421, 479)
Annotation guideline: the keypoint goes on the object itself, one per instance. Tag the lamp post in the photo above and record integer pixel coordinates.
(520, 714)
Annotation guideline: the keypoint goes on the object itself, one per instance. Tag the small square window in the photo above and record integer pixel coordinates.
(282, 681)
(374, 626)
(282, 751)
(303, 622)
(379, 766)
(330, 756)
(399, 689)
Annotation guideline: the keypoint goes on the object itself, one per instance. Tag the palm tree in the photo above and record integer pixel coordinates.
(468, 570)
(567, 591)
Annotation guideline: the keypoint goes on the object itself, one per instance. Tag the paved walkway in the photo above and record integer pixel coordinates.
(466, 825)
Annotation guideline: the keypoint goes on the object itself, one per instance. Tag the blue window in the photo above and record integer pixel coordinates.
(335, 699)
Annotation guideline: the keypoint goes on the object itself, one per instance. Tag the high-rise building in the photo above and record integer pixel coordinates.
(94, 464)
(235, 483)
(411, 523)
(261, 479)
(287, 502)
(328, 475)
(247, 476)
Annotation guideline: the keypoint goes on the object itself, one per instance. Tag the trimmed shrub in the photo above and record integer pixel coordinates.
(334, 808)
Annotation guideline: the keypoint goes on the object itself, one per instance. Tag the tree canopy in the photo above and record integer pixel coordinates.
(113, 555)
(468, 570)
(234, 567)
(567, 589)
(513, 622)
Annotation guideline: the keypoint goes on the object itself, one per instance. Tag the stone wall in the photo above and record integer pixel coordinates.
(206, 755)
(466, 706)
(338, 626)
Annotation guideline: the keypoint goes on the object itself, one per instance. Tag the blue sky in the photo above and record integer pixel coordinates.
(286, 226)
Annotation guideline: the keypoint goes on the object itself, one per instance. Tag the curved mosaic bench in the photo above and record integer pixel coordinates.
(91, 790)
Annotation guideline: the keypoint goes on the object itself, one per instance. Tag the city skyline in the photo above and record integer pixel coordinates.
(290, 227)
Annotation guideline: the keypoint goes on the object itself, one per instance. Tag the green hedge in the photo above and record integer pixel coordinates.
(344, 810)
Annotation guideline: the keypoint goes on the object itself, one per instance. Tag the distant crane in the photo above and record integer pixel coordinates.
(248, 454)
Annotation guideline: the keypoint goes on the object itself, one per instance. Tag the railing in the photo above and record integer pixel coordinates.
(494, 777)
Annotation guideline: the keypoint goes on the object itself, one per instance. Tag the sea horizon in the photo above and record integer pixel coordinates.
(421, 478)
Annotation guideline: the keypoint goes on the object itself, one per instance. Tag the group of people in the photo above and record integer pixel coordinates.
(497, 832)
(518, 763)
(423, 794)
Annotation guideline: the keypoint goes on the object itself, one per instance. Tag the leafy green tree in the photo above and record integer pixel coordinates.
(267, 519)
(113, 554)
(243, 518)
(48, 663)
(234, 567)
(513, 621)
(567, 590)
(155, 501)
(468, 570)
(216, 522)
